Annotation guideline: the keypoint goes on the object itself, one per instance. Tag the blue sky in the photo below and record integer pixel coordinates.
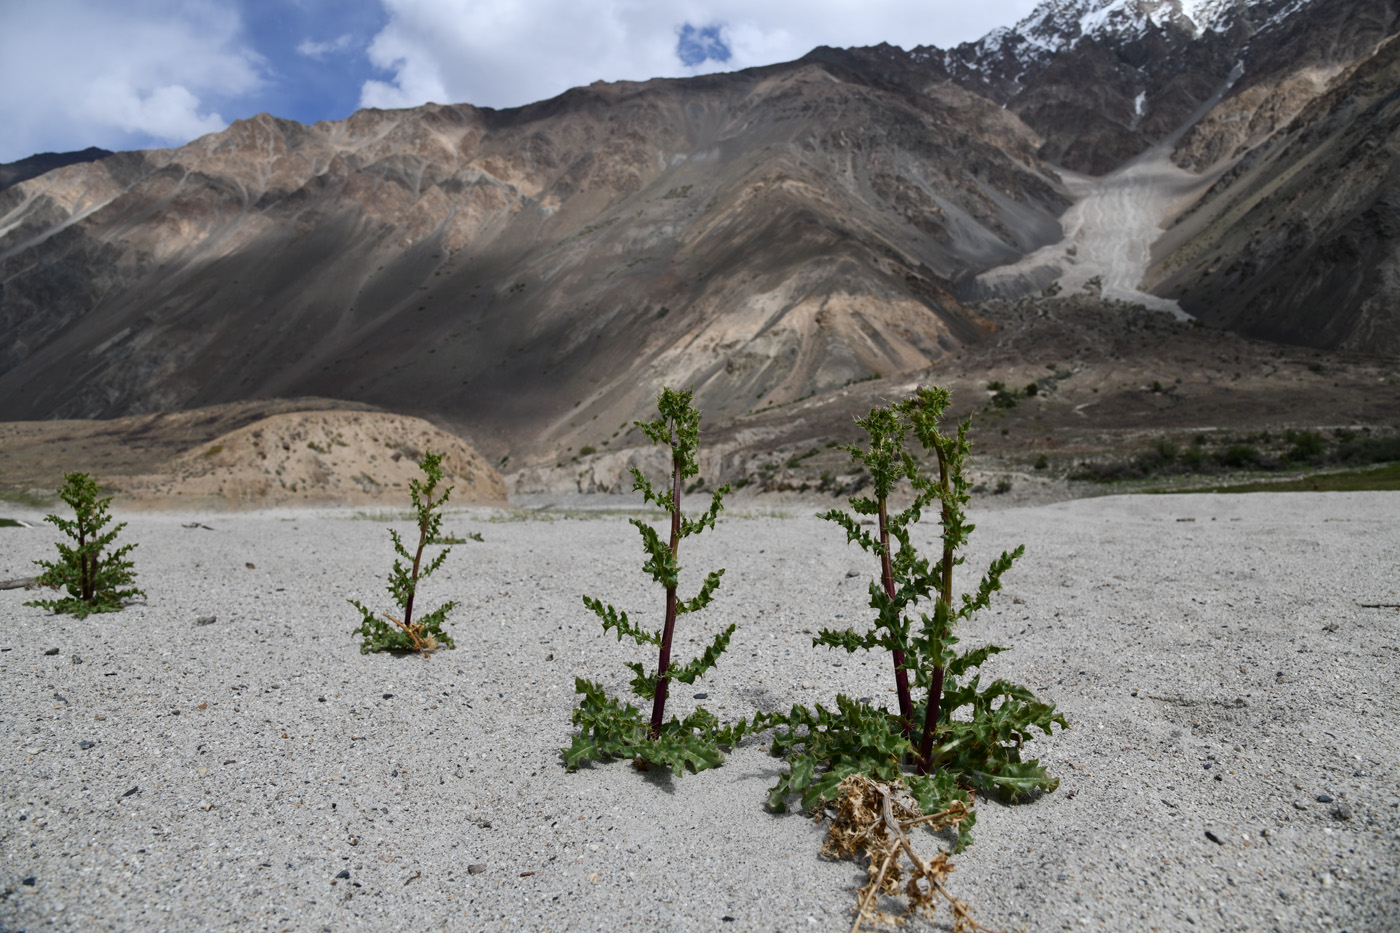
(124, 74)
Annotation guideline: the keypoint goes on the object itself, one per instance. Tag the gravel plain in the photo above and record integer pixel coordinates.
(221, 756)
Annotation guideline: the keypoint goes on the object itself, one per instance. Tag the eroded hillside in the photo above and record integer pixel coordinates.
(786, 235)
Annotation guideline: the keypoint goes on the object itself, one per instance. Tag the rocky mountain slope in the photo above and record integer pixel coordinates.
(12, 173)
(1102, 80)
(530, 278)
(1300, 241)
(768, 234)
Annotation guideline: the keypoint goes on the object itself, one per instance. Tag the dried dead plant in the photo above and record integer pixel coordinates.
(873, 819)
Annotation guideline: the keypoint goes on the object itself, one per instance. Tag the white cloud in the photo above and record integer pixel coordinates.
(117, 75)
(504, 53)
(319, 50)
(168, 112)
(140, 73)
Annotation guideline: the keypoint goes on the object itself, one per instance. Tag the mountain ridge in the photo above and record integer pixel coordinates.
(532, 276)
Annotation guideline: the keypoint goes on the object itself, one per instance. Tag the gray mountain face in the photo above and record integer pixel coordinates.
(12, 173)
(765, 236)
(1300, 241)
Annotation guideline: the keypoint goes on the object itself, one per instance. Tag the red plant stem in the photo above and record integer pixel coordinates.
(658, 705)
(417, 559)
(945, 596)
(87, 563)
(901, 676)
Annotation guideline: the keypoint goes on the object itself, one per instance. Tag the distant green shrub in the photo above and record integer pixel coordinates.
(1239, 456)
(1308, 446)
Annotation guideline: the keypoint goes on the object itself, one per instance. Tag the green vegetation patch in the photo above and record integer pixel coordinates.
(24, 497)
(1385, 478)
(1263, 452)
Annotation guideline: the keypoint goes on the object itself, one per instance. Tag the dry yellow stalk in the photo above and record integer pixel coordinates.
(872, 819)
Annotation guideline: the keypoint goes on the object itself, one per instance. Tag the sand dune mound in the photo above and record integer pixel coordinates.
(320, 457)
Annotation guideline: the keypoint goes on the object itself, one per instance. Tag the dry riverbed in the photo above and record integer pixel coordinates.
(221, 756)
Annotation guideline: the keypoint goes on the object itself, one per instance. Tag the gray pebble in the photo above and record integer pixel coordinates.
(476, 868)
(1342, 811)
(1301, 805)
(205, 620)
(86, 744)
(1324, 798)
(51, 652)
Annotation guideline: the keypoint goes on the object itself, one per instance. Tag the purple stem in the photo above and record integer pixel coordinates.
(935, 691)
(658, 706)
(901, 676)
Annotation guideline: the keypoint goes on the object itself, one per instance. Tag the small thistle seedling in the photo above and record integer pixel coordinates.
(94, 582)
(981, 750)
(611, 728)
(406, 634)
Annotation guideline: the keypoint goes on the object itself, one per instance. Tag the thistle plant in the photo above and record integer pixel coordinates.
(609, 727)
(425, 634)
(979, 749)
(94, 582)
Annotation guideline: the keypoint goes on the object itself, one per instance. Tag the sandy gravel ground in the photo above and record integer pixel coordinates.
(1233, 764)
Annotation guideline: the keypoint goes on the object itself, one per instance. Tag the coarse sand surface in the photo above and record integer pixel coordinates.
(221, 756)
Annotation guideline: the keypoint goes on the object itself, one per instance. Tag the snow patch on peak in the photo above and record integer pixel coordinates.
(1208, 15)
(1057, 24)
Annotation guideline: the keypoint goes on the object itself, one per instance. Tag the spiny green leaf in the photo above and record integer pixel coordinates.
(615, 619)
(688, 673)
(702, 599)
